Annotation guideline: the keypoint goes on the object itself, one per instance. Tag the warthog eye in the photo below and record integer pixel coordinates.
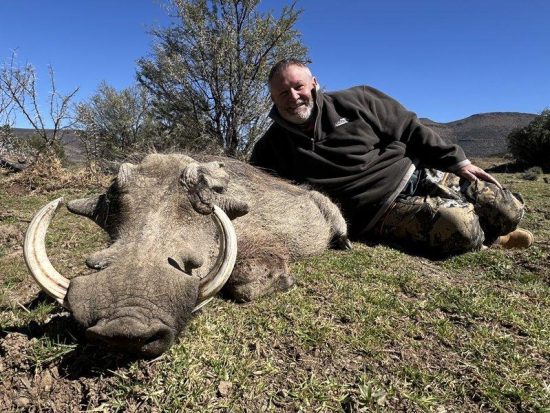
(218, 189)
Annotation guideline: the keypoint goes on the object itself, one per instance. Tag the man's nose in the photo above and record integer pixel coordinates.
(294, 94)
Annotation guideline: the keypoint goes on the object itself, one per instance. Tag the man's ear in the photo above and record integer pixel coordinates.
(315, 84)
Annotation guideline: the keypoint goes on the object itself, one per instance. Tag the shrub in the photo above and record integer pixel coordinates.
(531, 145)
(532, 174)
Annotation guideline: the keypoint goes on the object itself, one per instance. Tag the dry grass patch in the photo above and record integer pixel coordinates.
(48, 174)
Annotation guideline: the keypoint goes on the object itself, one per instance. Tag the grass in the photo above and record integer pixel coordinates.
(372, 329)
(47, 350)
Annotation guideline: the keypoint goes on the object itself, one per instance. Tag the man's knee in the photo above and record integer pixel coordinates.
(456, 229)
(433, 225)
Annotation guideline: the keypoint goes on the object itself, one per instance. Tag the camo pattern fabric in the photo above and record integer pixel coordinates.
(445, 215)
(499, 210)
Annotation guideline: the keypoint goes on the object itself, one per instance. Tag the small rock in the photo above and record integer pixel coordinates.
(46, 381)
(26, 382)
(224, 388)
(22, 402)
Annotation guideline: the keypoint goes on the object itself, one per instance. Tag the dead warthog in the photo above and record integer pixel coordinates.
(181, 230)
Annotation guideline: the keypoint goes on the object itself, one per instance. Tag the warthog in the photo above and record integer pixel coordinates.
(175, 224)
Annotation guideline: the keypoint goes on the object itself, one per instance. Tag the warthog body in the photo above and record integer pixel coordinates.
(164, 242)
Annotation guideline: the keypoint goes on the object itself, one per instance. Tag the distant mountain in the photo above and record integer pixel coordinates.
(73, 146)
(479, 135)
(483, 134)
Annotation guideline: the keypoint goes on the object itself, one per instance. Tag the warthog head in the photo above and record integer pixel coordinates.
(172, 249)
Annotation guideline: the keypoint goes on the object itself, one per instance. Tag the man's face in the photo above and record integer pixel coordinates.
(292, 94)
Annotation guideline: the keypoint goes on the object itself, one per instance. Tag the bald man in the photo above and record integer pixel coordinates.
(395, 179)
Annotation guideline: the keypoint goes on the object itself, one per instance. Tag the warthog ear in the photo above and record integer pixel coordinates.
(87, 207)
(205, 184)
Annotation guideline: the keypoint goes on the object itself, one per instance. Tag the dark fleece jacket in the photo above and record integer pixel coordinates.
(362, 150)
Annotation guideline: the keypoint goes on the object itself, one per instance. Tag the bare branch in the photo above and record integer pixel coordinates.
(18, 85)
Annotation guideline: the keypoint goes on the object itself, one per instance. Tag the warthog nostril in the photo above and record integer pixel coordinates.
(160, 335)
(175, 264)
(132, 335)
(189, 263)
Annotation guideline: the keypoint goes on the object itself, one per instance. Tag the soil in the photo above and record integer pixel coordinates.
(79, 380)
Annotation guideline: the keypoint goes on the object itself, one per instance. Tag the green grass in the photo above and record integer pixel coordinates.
(372, 329)
(47, 350)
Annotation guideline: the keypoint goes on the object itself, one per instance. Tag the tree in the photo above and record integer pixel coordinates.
(5, 108)
(112, 124)
(531, 145)
(6, 121)
(18, 88)
(208, 72)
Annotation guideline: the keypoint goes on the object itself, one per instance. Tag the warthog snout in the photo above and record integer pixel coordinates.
(149, 340)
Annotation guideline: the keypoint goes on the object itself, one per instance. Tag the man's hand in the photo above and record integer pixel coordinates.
(472, 172)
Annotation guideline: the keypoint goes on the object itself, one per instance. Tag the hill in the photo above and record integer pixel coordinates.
(482, 134)
(73, 146)
(479, 135)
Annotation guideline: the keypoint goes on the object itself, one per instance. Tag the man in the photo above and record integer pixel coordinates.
(371, 155)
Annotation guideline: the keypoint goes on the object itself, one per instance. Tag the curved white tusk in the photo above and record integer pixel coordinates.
(34, 250)
(219, 274)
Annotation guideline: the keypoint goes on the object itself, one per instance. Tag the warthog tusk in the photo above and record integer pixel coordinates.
(218, 275)
(34, 250)
(55, 285)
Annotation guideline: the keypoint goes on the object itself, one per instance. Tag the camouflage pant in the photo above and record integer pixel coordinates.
(444, 215)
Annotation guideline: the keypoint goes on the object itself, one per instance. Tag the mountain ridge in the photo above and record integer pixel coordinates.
(480, 135)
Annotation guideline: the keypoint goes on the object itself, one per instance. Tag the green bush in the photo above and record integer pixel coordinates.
(532, 174)
(531, 145)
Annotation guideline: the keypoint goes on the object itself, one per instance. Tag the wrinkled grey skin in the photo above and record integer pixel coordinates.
(163, 241)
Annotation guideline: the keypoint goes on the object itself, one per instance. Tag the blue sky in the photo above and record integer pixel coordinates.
(443, 59)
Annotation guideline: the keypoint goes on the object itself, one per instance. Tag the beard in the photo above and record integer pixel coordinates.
(300, 115)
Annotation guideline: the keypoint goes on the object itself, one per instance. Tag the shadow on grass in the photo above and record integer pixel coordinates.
(412, 250)
(62, 335)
